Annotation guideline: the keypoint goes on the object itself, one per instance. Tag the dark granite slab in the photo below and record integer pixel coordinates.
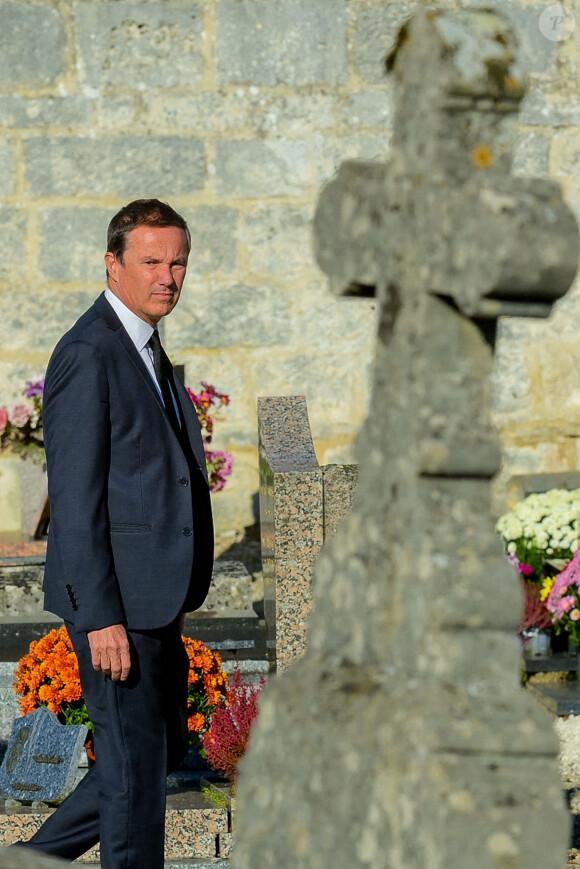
(559, 698)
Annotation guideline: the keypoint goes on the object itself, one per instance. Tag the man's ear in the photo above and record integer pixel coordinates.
(111, 263)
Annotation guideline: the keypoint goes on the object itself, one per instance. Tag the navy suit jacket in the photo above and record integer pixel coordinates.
(126, 501)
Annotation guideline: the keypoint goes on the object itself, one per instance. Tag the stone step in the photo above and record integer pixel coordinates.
(232, 633)
(22, 571)
(198, 831)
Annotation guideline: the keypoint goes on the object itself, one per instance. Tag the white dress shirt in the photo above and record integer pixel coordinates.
(139, 332)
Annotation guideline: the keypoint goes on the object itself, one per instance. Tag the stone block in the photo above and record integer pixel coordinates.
(231, 586)
(21, 590)
(127, 167)
(225, 844)
(536, 54)
(324, 379)
(7, 170)
(512, 385)
(240, 314)
(210, 112)
(12, 241)
(72, 243)
(277, 240)
(72, 111)
(294, 42)
(32, 44)
(9, 708)
(531, 155)
(193, 834)
(258, 168)
(213, 239)
(553, 110)
(42, 758)
(369, 109)
(291, 114)
(564, 158)
(22, 317)
(114, 111)
(330, 152)
(139, 45)
(374, 34)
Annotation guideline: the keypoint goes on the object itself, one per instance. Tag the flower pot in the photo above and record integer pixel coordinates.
(536, 642)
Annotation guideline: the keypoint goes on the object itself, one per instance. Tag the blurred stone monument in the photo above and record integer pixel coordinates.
(403, 738)
(25, 858)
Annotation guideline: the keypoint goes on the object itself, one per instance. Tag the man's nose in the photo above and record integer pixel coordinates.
(165, 275)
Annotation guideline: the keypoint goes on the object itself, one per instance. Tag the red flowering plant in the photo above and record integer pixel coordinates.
(226, 739)
(21, 429)
(21, 424)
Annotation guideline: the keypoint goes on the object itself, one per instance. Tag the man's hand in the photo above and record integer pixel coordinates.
(110, 651)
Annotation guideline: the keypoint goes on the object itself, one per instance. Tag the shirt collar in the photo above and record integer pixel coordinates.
(139, 331)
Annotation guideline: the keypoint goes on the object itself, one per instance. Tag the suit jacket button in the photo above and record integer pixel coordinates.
(183, 481)
(187, 532)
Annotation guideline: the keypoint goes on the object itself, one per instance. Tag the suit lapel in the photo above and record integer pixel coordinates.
(191, 420)
(113, 323)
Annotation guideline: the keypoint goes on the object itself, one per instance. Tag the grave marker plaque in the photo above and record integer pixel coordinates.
(41, 761)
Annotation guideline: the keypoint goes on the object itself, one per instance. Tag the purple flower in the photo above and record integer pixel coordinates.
(34, 387)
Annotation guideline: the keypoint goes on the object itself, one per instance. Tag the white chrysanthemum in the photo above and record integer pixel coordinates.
(549, 521)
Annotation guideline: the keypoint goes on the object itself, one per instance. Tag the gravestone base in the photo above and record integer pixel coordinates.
(194, 825)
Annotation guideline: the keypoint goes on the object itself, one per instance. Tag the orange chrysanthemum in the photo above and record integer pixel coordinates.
(207, 684)
(49, 676)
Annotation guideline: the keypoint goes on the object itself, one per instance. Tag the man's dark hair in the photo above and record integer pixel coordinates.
(141, 212)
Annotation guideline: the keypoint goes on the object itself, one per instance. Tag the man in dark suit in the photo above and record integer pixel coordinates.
(131, 541)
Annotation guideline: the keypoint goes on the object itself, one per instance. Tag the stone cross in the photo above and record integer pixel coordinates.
(403, 738)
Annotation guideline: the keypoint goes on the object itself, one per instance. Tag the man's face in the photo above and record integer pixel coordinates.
(150, 278)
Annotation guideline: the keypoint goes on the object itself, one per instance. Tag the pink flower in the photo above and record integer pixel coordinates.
(565, 604)
(575, 615)
(525, 569)
(20, 415)
(3, 418)
(569, 576)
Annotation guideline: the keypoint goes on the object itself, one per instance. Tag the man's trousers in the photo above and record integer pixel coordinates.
(140, 736)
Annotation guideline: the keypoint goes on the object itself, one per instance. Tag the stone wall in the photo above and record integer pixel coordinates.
(237, 111)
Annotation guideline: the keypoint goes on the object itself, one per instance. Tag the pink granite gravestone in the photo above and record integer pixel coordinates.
(301, 505)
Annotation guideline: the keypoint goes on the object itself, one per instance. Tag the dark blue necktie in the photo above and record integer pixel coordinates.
(164, 374)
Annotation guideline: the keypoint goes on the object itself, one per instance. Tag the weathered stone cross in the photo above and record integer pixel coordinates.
(402, 739)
